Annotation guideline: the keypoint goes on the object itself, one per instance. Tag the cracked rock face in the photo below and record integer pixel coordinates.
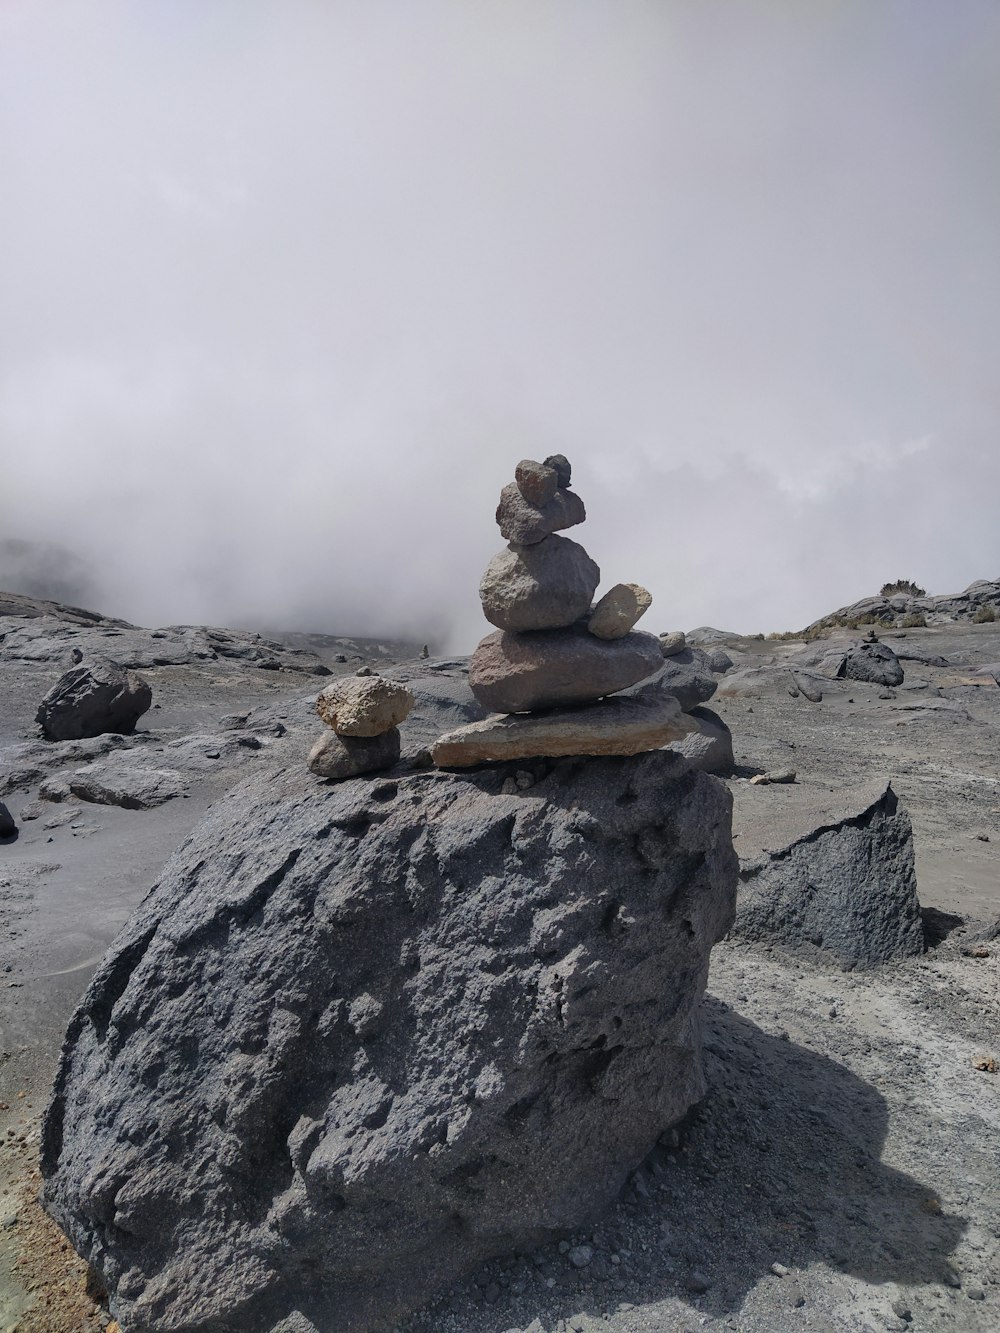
(359, 1038)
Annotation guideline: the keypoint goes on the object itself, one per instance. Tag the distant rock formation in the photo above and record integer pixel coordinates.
(361, 1037)
(980, 597)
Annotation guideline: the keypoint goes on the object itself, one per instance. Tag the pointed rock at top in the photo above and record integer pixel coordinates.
(562, 466)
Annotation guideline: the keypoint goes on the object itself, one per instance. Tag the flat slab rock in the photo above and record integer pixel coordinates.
(616, 726)
(519, 673)
(408, 1024)
(828, 873)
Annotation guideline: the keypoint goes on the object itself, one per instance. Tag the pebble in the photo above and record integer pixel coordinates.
(779, 1270)
(581, 1255)
(902, 1311)
(975, 1292)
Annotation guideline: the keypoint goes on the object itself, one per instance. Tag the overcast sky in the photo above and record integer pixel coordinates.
(287, 289)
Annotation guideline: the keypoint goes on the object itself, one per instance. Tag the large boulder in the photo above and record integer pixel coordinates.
(874, 662)
(838, 880)
(408, 1024)
(96, 697)
(546, 586)
(519, 673)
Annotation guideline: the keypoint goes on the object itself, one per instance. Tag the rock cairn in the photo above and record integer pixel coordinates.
(554, 654)
(363, 713)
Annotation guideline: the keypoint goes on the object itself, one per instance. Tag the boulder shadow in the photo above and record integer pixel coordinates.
(779, 1164)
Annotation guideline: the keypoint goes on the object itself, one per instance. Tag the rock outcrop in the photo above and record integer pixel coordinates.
(360, 1037)
(96, 697)
(844, 886)
(874, 662)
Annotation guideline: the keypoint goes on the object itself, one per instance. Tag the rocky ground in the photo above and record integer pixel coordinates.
(840, 1175)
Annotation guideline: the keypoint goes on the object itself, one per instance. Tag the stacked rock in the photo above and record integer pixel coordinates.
(364, 712)
(552, 649)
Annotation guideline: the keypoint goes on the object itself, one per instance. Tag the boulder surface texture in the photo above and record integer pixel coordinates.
(364, 705)
(546, 586)
(519, 673)
(874, 662)
(99, 696)
(521, 521)
(405, 1026)
(847, 888)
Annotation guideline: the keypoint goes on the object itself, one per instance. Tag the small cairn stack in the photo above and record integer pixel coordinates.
(554, 655)
(364, 712)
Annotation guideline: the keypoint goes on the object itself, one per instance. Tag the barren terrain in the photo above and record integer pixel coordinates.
(842, 1172)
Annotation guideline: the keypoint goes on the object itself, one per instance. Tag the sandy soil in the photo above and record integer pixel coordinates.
(841, 1174)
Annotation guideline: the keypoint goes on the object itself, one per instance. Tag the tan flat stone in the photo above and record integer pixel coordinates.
(618, 610)
(619, 726)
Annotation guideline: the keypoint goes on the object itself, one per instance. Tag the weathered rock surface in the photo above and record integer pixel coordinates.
(562, 467)
(684, 677)
(673, 642)
(528, 524)
(537, 482)
(546, 586)
(340, 757)
(405, 1025)
(710, 747)
(845, 886)
(618, 610)
(875, 662)
(97, 697)
(718, 659)
(364, 705)
(518, 673)
(132, 785)
(617, 726)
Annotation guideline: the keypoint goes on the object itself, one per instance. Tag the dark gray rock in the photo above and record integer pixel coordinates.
(710, 748)
(89, 700)
(718, 659)
(528, 524)
(563, 469)
(546, 586)
(340, 757)
(846, 888)
(874, 662)
(408, 1024)
(518, 673)
(7, 825)
(683, 676)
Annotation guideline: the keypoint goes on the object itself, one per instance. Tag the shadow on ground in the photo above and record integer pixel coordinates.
(779, 1164)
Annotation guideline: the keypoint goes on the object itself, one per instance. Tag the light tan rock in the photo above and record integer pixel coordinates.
(674, 642)
(364, 705)
(536, 482)
(619, 726)
(618, 610)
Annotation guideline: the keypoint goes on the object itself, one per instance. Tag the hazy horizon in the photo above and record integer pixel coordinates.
(288, 290)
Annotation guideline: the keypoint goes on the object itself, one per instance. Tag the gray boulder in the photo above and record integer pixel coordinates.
(546, 586)
(717, 659)
(710, 748)
(518, 673)
(119, 780)
(683, 676)
(97, 697)
(673, 642)
(845, 886)
(407, 1025)
(339, 757)
(874, 662)
(525, 523)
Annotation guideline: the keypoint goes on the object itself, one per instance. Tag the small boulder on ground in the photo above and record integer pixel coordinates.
(364, 705)
(618, 610)
(519, 673)
(546, 586)
(96, 697)
(874, 662)
(118, 780)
